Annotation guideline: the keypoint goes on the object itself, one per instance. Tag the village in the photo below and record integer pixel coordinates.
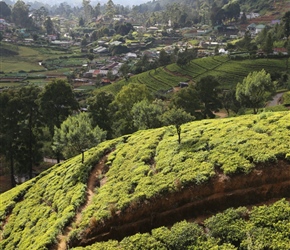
(102, 59)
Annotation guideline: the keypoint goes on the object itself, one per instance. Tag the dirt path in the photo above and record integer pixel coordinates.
(276, 100)
(93, 181)
(221, 114)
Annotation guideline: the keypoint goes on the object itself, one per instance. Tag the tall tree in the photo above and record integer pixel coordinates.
(20, 129)
(76, 134)
(217, 15)
(230, 102)
(110, 9)
(157, 7)
(232, 10)
(49, 26)
(20, 14)
(123, 103)
(5, 11)
(243, 18)
(246, 41)
(29, 148)
(40, 15)
(88, 10)
(57, 102)
(255, 90)
(208, 91)
(97, 10)
(100, 111)
(124, 70)
(9, 129)
(164, 58)
(184, 58)
(148, 115)
(187, 99)
(267, 46)
(286, 24)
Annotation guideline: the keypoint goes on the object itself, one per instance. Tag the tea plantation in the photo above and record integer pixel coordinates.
(149, 173)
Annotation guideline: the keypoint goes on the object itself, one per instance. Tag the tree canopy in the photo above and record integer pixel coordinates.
(286, 23)
(100, 110)
(57, 102)
(5, 10)
(20, 14)
(187, 99)
(255, 90)
(123, 103)
(20, 129)
(147, 115)
(208, 92)
(177, 117)
(76, 134)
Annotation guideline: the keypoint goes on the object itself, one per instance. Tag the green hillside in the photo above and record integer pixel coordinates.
(15, 58)
(141, 183)
(227, 71)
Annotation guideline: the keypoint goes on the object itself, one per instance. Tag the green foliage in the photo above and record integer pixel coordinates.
(62, 61)
(180, 236)
(227, 72)
(100, 110)
(149, 164)
(176, 117)
(268, 227)
(187, 99)
(11, 197)
(76, 134)
(57, 102)
(109, 245)
(48, 203)
(263, 227)
(141, 241)
(286, 98)
(208, 92)
(20, 14)
(148, 115)
(124, 101)
(252, 92)
(185, 57)
(20, 129)
(228, 226)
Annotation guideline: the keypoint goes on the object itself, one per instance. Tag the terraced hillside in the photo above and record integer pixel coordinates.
(130, 189)
(228, 72)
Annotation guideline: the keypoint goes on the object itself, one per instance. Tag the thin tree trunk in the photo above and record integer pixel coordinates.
(13, 183)
(178, 128)
(58, 157)
(30, 148)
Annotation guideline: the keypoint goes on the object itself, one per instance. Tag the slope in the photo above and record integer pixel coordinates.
(150, 180)
(227, 71)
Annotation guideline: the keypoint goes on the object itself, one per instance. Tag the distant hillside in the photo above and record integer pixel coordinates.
(7, 51)
(260, 6)
(147, 180)
(227, 71)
